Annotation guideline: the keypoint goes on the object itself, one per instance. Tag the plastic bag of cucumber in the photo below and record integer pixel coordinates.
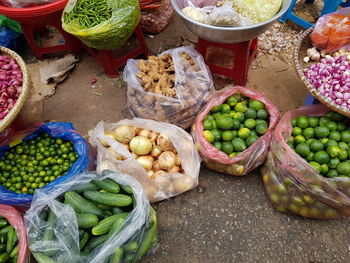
(92, 219)
(307, 171)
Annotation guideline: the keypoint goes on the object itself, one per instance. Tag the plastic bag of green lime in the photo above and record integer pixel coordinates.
(233, 131)
(307, 171)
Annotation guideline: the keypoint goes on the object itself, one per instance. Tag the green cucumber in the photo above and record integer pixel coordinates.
(41, 258)
(84, 187)
(131, 247)
(49, 230)
(15, 239)
(15, 259)
(105, 225)
(43, 215)
(14, 252)
(146, 242)
(127, 189)
(107, 185)
(93, 243)
(116, 227)
(110, 199)
(2, 248)
(4, 257)
(83, 240)
(81, 205)
(129, 258)
(104, 207)
(86, 220)
(117, 210)
(109, 213)
(5, 230)
(3, 223)
(117, 256)
(10, 237)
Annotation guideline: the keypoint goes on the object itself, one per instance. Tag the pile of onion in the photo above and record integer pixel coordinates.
(156, 154)
(11, 80)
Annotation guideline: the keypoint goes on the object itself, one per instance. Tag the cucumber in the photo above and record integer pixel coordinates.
(117, 256)
(2, 248)
(131, 247)
(86, 220)
(128, 258)
(15, 259)
(127, 189)
(51, 222)
(10, 237)
(116, 227)
(81, 205)
(83, 240)
(110, 199)
(41, 258)
(84, 187)
(43, 215)
(14, 252)
(5, 230)
(3, 223)
(107, 185)
(4, 257)
(105, 225)
(104, 207)
(109, 213)
(117, 210)
(146, 242)
(93, 243)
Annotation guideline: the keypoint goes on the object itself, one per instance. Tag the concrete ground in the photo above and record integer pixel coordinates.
(226, 218)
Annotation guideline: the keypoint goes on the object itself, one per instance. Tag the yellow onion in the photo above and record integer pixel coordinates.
(135, 155)
(155, 167)
(126, 146)
(137, 129)
(182, 183)
(124, 133)
(161, 178)
(167, 160)
(116, 155)
(140, 145)
(153, 137)
(146, 162)
(144, 133)
(109, 134)
(178, 160)
(164, 143)
(174, 169)
(156, 151)
(150, 174)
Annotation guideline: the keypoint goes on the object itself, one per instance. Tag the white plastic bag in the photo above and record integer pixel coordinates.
(25, 3)
(193, 85)
(224, 15)
(158, 188)
(64, 247)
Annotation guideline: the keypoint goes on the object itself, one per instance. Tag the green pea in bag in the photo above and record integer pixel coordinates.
(101, 24)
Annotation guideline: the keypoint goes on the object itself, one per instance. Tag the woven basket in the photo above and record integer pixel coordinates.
(303, 44)
(25, 88)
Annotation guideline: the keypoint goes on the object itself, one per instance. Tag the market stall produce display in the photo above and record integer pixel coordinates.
(92, 218)
(171, 87)
(53, 153)
(161, 156)
(103, 24)
(13, 239)
(227, 134)
(308, 173)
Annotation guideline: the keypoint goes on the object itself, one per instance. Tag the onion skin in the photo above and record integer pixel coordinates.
(155, 167)
(144, 133)
(109, 134)
(164, 143)
(175, 169)
(140, 145)
(167, 160)
(116, 155)
(156, 152)
(178, 160)
(146, 162)
(124, 134)
(150, 174)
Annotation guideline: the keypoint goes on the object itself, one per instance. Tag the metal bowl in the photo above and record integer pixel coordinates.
(226, 34)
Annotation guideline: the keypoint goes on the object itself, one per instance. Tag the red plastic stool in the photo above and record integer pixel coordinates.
(34, 19)
(243, 52)
(111, 63)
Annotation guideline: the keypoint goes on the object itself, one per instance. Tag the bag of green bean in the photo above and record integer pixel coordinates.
(101, 24)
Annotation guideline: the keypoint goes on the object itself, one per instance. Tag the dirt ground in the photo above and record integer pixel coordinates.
(226, 218)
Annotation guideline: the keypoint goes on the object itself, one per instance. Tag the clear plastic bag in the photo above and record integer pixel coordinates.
(172, 183)
(25, 3)
(193, 85)
(224, 15)
(57, 130)
(293, 185)
(16, 220)
(110, 34)
(64, 244)
(332, 31)
(249, 159)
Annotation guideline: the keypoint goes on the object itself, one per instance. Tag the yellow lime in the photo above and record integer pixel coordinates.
(209, 136)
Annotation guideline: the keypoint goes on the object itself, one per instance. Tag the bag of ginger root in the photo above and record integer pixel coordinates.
(161, 156)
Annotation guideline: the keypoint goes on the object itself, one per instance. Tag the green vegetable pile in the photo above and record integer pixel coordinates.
(89, 13)
(324, 142)
(235, 125)
(101, 208)
(8, 242)
(35, 163)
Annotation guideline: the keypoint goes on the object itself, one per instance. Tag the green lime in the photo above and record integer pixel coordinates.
(227, 136)
(231, 114)
(308, 133)
(316, 166)
(303, 149)
(232, 101)
(303, 121)
(343, 145)
(238, 145)
(310, 157)
(321, 157)
(217, 135)
(332, 125)
(256, 105)
(238, 96)
(207, 124)
(333, 151)
(225, 108)
(335, 135)
(234, 134)
(341, 126)
(337, 117)
(322, 131)
(294, 122)
(240, 107)
(224, 122)
(316, 146)
(261, 128)
(218, 145)
(217, 108)
(291, 139)
(209, 117)
(291, 145)
(333, 162)
(343, 155)
(309, 141)
(324, 169)
(330, 143)
(299, 139)
(329, 115)
(209, 136)
(251, 139)
(332, 173)
(343, 168)
(239, 116)
(313, 121)
(262, 114)
(216, 115)
(243, 133)
(236, 123)
(345, 136)
(250, 113)
(227, 147)
(250, 123)
(325, 140)
(324, 121)
(297, 131)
